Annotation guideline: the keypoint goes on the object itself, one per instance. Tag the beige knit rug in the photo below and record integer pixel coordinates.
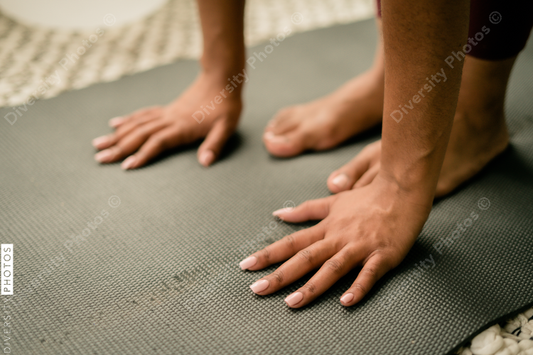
(42, 63)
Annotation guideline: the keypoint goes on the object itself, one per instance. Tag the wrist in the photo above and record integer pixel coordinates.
(417, 194)
(232, 73)
(230, 83)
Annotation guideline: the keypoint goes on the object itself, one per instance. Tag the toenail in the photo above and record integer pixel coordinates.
(276, 139)
(340, 181)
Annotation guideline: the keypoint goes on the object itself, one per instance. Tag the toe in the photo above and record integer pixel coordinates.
(282, 122)
(285, 145)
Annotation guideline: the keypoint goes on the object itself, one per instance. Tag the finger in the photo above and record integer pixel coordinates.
(371, 272)
(309, 210)
(130, 143)
(120, 120)
(283, 248)
(345, 177)
(367, 177)
(107, 141)
(117, 121)
(159, 142)
(301, 263)
(330, 272)
(213, 143)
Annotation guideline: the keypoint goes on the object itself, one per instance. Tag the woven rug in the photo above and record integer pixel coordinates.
(31, 58)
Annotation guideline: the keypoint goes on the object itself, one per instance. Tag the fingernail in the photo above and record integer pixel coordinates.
(276, 139)
(207, 157)
(340, 180)
(97, 142)
(347, 298)
(115, 121)
(281, 211)
(129, 162)
(294, 299)
(248, 262)
(260, 285)
(104, 156)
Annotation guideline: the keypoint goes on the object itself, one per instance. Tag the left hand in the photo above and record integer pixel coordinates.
(373, 227)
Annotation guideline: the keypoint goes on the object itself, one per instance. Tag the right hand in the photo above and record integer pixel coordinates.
(144, 134)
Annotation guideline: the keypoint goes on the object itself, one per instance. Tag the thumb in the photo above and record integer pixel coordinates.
(210, 149)
(307, 211)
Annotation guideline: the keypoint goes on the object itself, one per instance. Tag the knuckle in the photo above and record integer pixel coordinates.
(278, 276)
(370, 271)
(152, 145)
(117, 150)
(335, 265)
(289, 240)
(310, 287)
(306, 255)
(159, 140)
(265, 254)
(363, 289)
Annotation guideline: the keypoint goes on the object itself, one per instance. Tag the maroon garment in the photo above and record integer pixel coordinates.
(498, 29)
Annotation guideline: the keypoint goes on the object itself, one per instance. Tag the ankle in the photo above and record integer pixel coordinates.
(481, 120)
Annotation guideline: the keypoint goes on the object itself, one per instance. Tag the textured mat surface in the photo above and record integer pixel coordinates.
(113, 262)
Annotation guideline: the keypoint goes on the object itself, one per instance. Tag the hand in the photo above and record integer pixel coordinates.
(358, 172)
(373, 227)
(206, 109)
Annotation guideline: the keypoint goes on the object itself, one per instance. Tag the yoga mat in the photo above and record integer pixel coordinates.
(146, 261)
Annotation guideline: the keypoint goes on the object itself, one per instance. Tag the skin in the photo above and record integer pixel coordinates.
(329, 121)
(144, 134)
(479, 131)
(375, 226)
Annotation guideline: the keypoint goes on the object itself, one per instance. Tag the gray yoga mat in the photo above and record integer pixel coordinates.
(146, 261)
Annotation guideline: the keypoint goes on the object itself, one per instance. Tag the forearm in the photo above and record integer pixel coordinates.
(420, 93)
(222, 27)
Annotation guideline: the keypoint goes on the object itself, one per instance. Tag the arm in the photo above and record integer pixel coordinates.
(209, 108)
(223, 35)
(375, 226)
(417, 38)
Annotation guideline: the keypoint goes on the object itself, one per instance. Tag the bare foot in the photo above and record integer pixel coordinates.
(478, 135)
(328, 121)
(469, 150)
(325, 123)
